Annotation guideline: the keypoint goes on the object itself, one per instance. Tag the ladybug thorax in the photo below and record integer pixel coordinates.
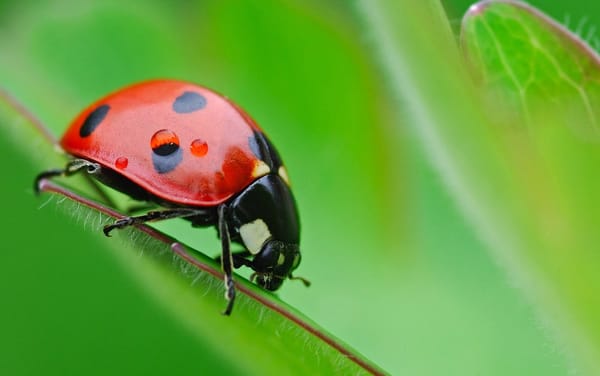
(182, 143)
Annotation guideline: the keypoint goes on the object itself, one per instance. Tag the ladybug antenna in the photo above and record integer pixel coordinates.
(71, 168)
(301, 279)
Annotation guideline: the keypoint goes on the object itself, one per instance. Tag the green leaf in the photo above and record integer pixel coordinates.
(189, 284)
(533, 63)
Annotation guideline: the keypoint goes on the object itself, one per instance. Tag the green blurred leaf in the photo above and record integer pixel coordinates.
(536, 68)
(525, 192)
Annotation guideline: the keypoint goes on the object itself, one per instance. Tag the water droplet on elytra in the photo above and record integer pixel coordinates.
(199, 147)
(121, 163)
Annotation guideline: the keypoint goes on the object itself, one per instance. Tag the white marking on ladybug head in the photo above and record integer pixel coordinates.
(254, 235)
(260, 169)
(283, 173)
(280, 259)
(296, 261)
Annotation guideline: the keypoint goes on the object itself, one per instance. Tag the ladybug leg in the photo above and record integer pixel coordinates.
(152, 216)
(72, 167)
(226, 259)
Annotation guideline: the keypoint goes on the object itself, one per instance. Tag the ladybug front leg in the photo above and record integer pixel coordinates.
(226, 259)
(72, 167)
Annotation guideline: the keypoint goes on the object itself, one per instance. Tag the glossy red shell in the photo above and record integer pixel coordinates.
(214, 158)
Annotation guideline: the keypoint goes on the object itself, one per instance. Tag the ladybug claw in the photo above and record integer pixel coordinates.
(228, 309)
(121, 223)
(107, 229)
(37, 183)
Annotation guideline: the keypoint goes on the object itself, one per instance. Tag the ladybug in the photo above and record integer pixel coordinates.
(199, 157)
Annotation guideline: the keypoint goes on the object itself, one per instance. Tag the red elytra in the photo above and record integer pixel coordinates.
(206, 156)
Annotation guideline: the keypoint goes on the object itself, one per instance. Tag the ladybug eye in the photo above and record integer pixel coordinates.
(164, 142)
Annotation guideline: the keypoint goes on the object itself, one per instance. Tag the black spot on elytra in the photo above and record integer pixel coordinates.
(167, 163)
(93, 120)
(189, 102)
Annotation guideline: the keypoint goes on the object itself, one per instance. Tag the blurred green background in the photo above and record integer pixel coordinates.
(396, 271)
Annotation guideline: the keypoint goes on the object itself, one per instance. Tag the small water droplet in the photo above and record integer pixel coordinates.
(199, 147)
(121, 163)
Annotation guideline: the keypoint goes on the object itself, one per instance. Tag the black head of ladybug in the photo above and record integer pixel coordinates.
(275, 263)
